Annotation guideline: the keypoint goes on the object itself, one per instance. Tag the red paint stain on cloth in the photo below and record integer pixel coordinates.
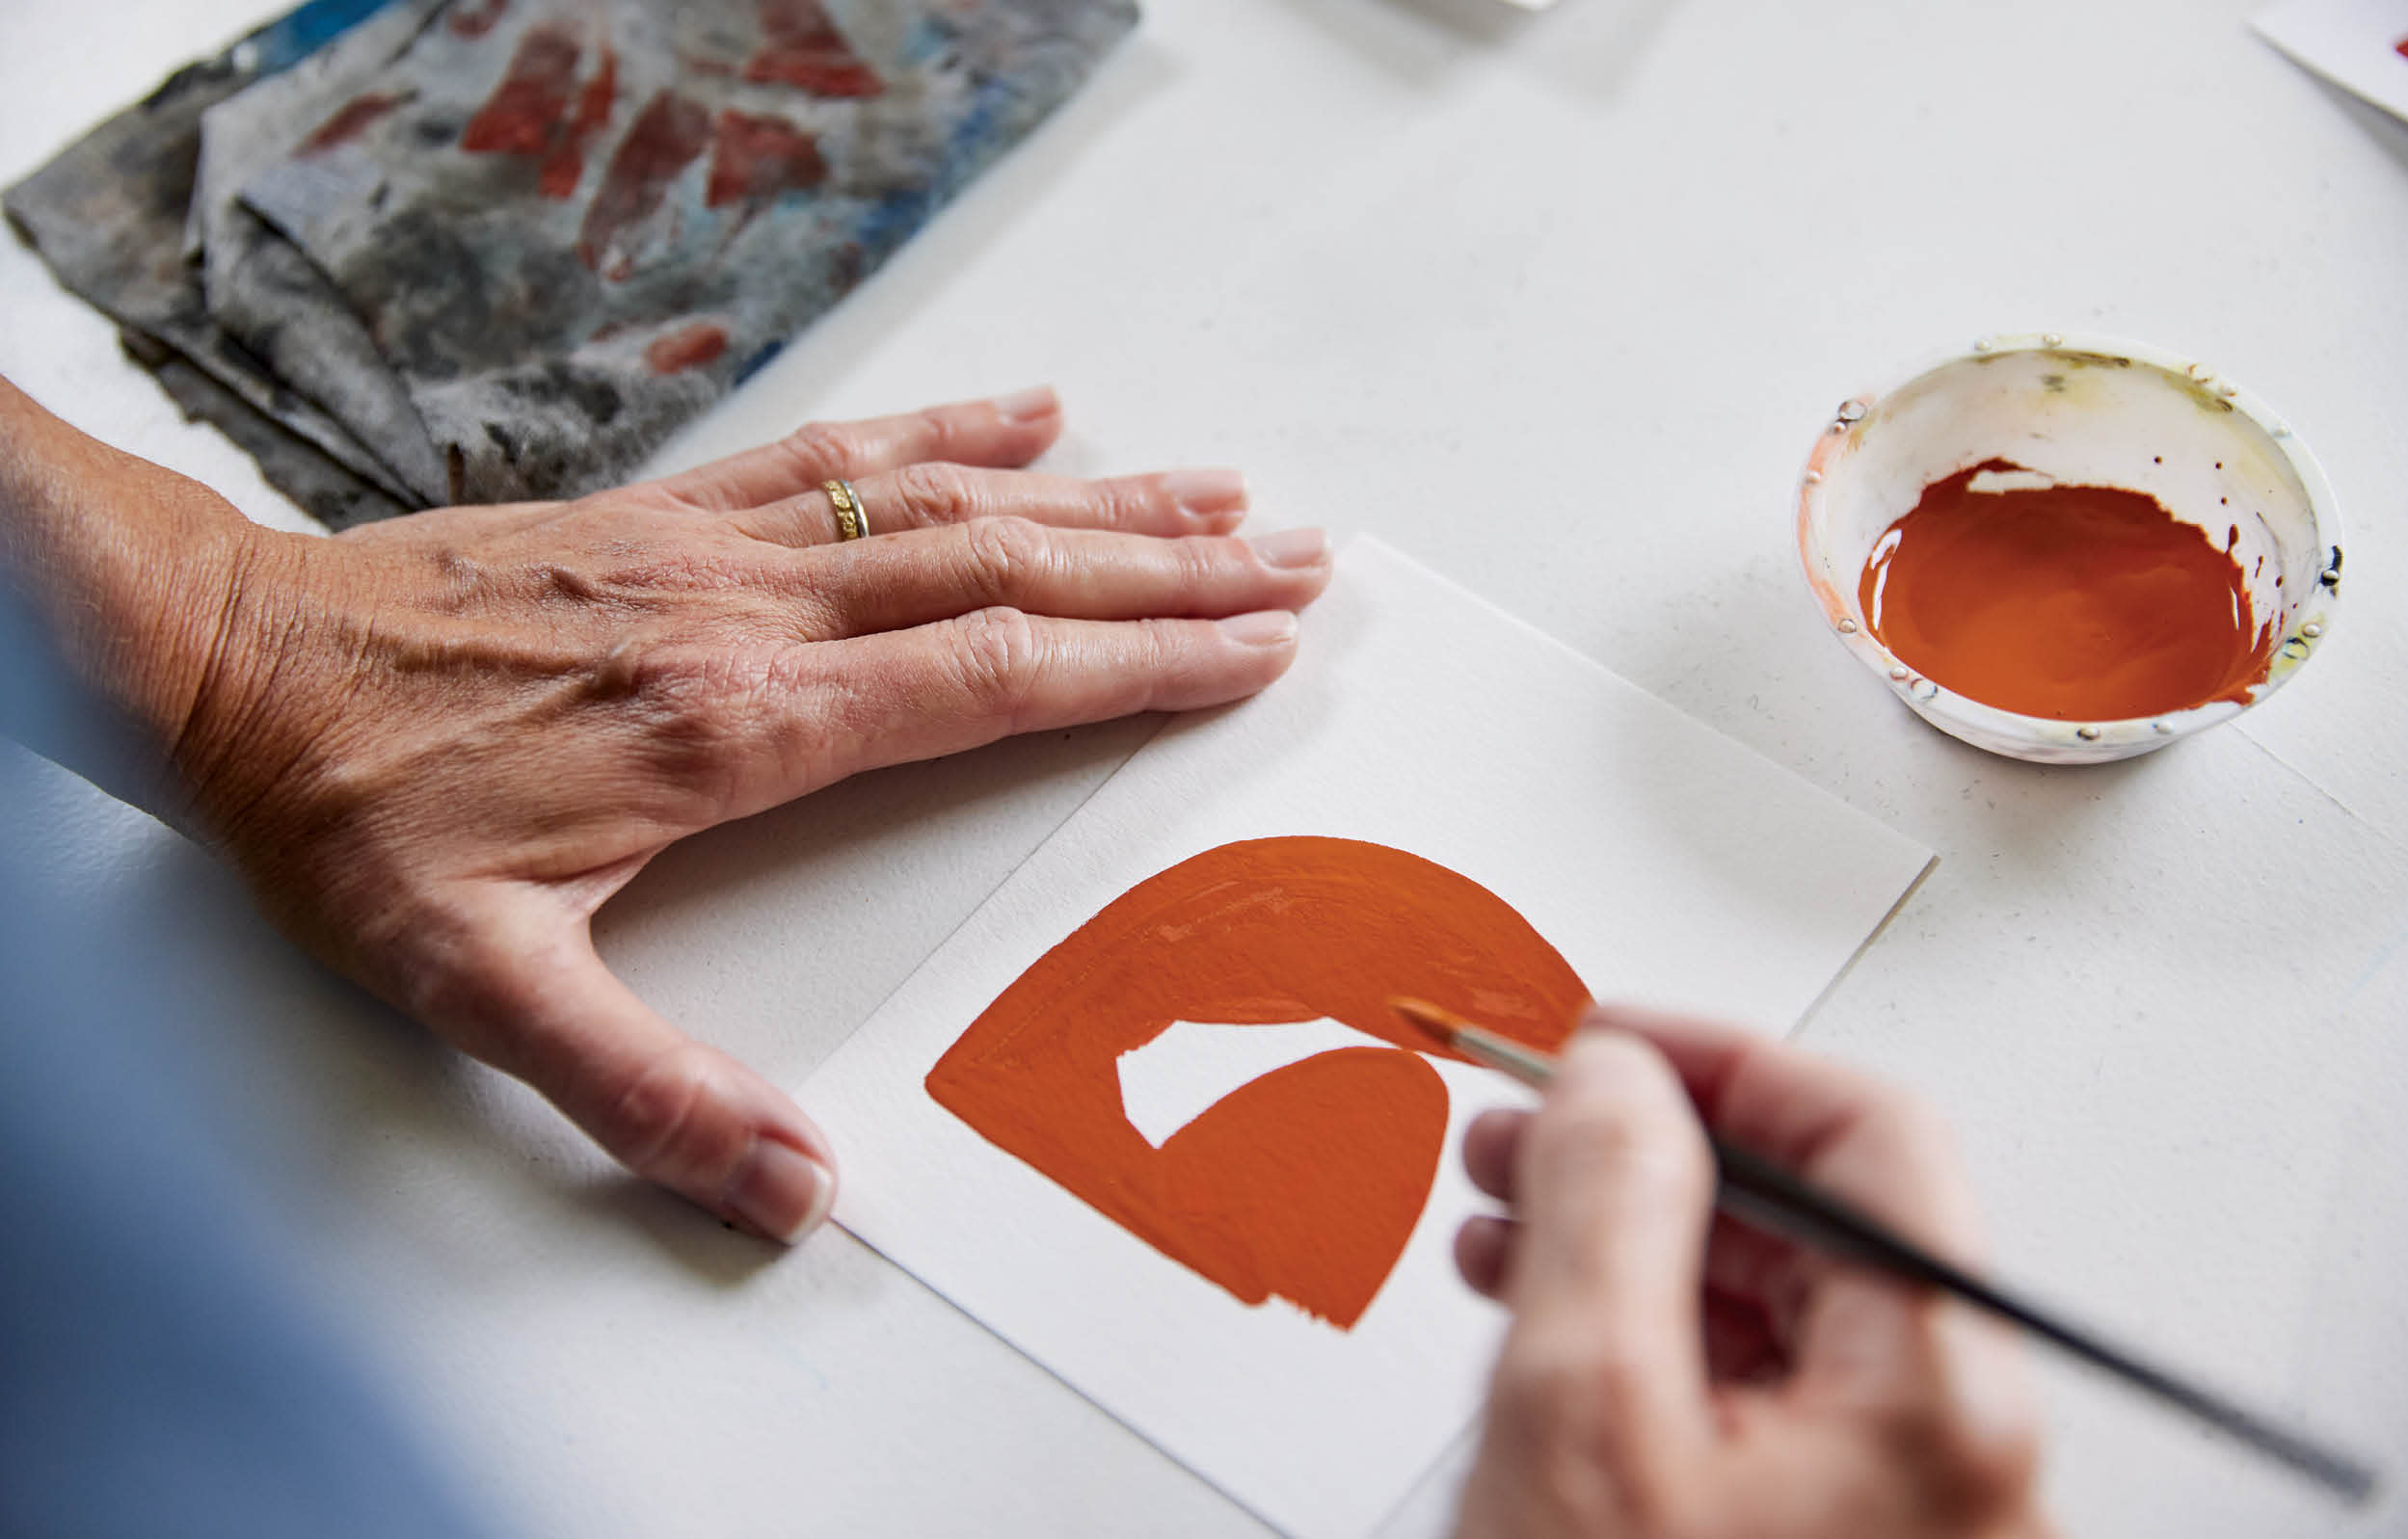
(2401, 47)
(1305, 1183)
(756, 156)
(528, 113)
(690, 347)
(350, 121)
(525, 111)
(801, 47)
(476, 19)
(563, 167)
(2074, 602)
(666, 137)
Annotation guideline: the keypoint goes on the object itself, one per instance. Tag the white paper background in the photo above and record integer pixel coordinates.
(1667, 863)
(2354, 43)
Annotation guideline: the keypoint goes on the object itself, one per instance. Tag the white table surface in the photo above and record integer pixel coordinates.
(1557, 304)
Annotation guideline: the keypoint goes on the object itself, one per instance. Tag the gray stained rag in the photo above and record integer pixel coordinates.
(411, 251)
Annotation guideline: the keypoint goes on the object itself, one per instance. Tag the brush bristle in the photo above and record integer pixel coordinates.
(1431, 1022)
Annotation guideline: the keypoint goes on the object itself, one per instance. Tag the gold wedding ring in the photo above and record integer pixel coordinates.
(852, 520)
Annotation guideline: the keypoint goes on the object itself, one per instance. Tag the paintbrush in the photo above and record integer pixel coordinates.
(1754, 1189)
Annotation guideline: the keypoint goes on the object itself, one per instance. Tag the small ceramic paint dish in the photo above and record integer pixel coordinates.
(2089, 414)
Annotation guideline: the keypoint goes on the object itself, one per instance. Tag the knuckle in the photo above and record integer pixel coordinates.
(816, 613)
(936, 492)
(1621, 1120)
(1007, 556)
(689, 704)
(818, 449)
(664, 680)
(1199, 563)
(458, 963)
(1586, 1139)
(663, 1121)
(1135, 504)
(943, 435)
(1158, 661)
(1167, 646)
(996, 653)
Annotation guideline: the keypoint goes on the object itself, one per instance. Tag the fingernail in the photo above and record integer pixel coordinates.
(1264, 627)
(1206, 488)
(781, 1191)
(1022, 406)
(1292, 548)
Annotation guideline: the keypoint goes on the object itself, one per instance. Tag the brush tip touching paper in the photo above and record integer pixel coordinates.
(1429, 1020)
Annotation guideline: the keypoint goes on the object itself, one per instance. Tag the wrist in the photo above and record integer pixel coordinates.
(134, 573)
(162, 607)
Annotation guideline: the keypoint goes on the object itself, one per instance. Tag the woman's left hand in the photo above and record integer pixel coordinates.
(435, 745)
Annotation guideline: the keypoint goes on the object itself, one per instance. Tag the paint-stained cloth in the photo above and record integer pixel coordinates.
(414, 252)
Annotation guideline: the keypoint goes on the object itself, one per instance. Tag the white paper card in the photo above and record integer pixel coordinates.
(2357, 44)
(1666, 864)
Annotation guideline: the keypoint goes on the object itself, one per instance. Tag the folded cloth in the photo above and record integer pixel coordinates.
(490, 250)
(263, 292)
(109, 214)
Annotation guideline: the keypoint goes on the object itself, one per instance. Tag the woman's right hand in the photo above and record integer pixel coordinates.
(1671, 1375)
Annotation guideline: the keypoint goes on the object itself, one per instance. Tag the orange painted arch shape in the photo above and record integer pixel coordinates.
(1306, 1182)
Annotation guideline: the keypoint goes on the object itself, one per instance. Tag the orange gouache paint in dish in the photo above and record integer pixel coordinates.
(2077, 603)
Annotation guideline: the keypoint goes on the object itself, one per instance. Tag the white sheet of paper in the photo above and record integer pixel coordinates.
(2354, 43)
(1666, 863)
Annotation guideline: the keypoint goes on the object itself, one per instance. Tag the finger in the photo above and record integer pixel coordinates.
(671, 1109)
(1860, 1337)
(905, 695)
(1866, 1141)
(932, 575)
(1614, 1187)
(1196, 501)
(1008, 430)
(1483, 1247)
(1490, 1147)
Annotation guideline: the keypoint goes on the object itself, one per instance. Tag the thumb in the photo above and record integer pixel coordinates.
(671, 1109)
(1613, 1187)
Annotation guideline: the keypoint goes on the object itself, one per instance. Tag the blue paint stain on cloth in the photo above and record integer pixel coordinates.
(303, 29)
